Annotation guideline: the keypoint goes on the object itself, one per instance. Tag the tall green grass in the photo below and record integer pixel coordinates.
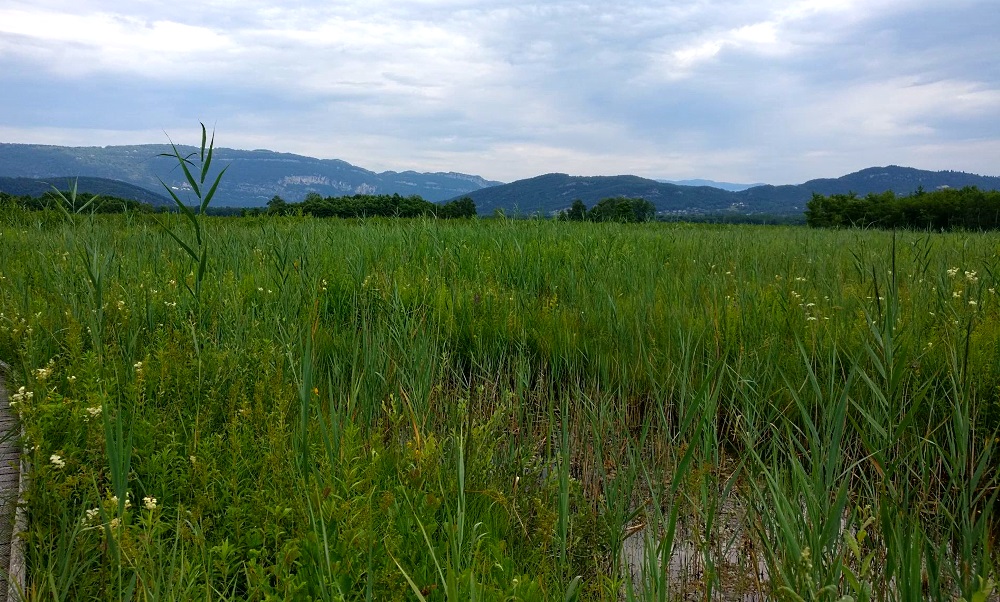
(400, 409)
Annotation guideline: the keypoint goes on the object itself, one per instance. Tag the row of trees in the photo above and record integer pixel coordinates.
(314, 205)
(50, 200)
(966, 208)
(613, 209)
(371, 205)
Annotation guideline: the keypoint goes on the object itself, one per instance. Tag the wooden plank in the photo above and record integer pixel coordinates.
(7, 486)
(13, 519)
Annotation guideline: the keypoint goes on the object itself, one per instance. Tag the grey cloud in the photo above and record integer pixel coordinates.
(747, 90)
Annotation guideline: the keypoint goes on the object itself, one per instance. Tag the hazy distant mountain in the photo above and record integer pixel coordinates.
(730, 186)
(554, 192)
(102, 186)
(256, 176)
(253, 177)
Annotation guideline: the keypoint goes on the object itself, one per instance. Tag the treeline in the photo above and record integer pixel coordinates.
(371, 205)
(313, 205)
(612, 209)
(966, 208)
(51, 200)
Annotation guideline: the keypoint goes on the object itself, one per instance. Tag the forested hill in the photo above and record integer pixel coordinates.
(874, 180)
(556, 192)
(253, 178)
(37, 187)
(901, 180)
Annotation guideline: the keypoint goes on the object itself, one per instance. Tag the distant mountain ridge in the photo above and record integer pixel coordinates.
(36, 187)
(550, 193)
(253, 178)
(730, 186)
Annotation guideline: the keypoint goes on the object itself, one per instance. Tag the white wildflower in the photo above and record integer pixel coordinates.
(21, 395)
(57, 461)
(953, 272)
(149, 502)
(92, 515)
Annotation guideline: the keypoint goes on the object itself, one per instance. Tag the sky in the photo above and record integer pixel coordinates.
(776, 91)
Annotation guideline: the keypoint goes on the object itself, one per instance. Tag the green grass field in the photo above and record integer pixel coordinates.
(502, 410)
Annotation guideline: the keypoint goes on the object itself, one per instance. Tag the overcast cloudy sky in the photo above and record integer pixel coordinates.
(777, 91)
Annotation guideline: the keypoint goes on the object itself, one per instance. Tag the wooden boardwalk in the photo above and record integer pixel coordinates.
(12, 517)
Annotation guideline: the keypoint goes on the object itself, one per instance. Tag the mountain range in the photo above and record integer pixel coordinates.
(551, 193)
(254, 177)
(730, 186)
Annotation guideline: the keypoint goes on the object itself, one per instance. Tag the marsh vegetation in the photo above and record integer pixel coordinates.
(295, 408)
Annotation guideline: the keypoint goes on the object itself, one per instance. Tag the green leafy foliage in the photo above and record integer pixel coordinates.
(368, 205)
(619, 209)
(612, 209)
(966, 208)
(52, 200)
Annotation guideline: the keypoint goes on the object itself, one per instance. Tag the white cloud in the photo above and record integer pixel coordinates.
(899, 108)
(80, 45)
(510, 89)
